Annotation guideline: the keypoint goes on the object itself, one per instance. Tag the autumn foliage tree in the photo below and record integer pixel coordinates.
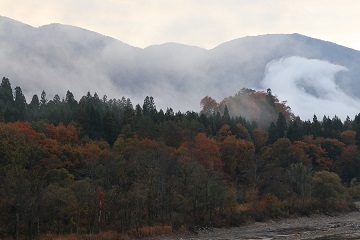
(99, 165)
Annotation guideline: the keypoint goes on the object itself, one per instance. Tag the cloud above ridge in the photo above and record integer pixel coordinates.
(310, 87)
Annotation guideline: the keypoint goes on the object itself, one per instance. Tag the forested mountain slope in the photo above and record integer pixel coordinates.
(57, 57)
(99, 168)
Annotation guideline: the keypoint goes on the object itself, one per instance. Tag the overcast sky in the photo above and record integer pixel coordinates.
(203, 23)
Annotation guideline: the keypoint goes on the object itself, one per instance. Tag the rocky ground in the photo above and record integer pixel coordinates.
(319, 227)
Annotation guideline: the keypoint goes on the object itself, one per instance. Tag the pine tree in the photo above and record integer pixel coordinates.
(316, 127)
(281, 126)
(7, 101)
(272, 133)
(33, 108)
(110, 130)
(270, 98)
(356, 127)
(20, 104)
(295, 132)
(43, 100)
(149, 108)
(6, 95)
(226, 117)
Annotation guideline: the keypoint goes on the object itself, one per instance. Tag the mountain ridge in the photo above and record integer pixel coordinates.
(57, 57)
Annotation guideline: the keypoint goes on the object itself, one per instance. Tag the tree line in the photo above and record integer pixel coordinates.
(98, 165)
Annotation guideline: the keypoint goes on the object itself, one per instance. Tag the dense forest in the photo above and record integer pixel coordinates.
(99, 165)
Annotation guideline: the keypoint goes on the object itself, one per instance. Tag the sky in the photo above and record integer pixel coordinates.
(203, 23)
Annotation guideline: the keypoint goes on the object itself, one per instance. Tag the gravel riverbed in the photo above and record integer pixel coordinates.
(317, 227)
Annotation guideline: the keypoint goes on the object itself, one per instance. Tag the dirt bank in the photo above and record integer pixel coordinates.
(347, 226)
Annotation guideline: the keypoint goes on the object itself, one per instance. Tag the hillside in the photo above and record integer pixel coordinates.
(57, 57)
(104, 169)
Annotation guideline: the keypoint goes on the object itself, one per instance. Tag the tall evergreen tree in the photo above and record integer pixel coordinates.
(281, 126)
(43, 100)
(272, 133)
(110, 130)
(72, 104)
(295, 131)
(20, 104)
(307, 127)
(149, 107)
(327, 127)
(138, 111)
(6, 94)
(316, 127)
(33, 108)
(356, 127)
(270, 98)
(35, 103)
(7, 101)
(169, 114)
(338, 126)
(226, 117)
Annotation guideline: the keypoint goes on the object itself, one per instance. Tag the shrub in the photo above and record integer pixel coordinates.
(149, 231)
(329, 192)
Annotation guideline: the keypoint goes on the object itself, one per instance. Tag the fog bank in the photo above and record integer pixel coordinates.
(310, 86)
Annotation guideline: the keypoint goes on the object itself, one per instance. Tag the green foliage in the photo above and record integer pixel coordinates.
(328, 190)
(301, 177)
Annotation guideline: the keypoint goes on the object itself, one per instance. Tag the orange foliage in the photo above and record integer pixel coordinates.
(104, 235)
(269, 206)
(223, 132)
(348, 137)
(209, 106)
(26, 129)
(148, 144)
(349, 154)
(259, 138)
(316, 153)
(246, 149)
(62, 133)
(91, 150)
(348, 159)
(50, 145)
(206, 151)
(236, 153)
(325, 163)
(298, 153)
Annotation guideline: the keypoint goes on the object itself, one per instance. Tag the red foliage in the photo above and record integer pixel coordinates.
(204, 150)
(62, 133)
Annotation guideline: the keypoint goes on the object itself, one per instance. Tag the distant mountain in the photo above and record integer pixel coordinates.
(57, 58)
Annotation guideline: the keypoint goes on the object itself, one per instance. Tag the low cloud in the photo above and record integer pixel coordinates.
(310, 87)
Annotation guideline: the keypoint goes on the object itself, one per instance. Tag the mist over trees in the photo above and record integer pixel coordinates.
(98, 165)
(314, 76)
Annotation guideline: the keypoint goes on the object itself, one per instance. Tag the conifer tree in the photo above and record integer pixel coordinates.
(226, 117)
(272, 133)
(20, 104)
(281, 126)
(7, 101)
(316, 127)
(6, 95)
(43, 100)
(270, 98)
